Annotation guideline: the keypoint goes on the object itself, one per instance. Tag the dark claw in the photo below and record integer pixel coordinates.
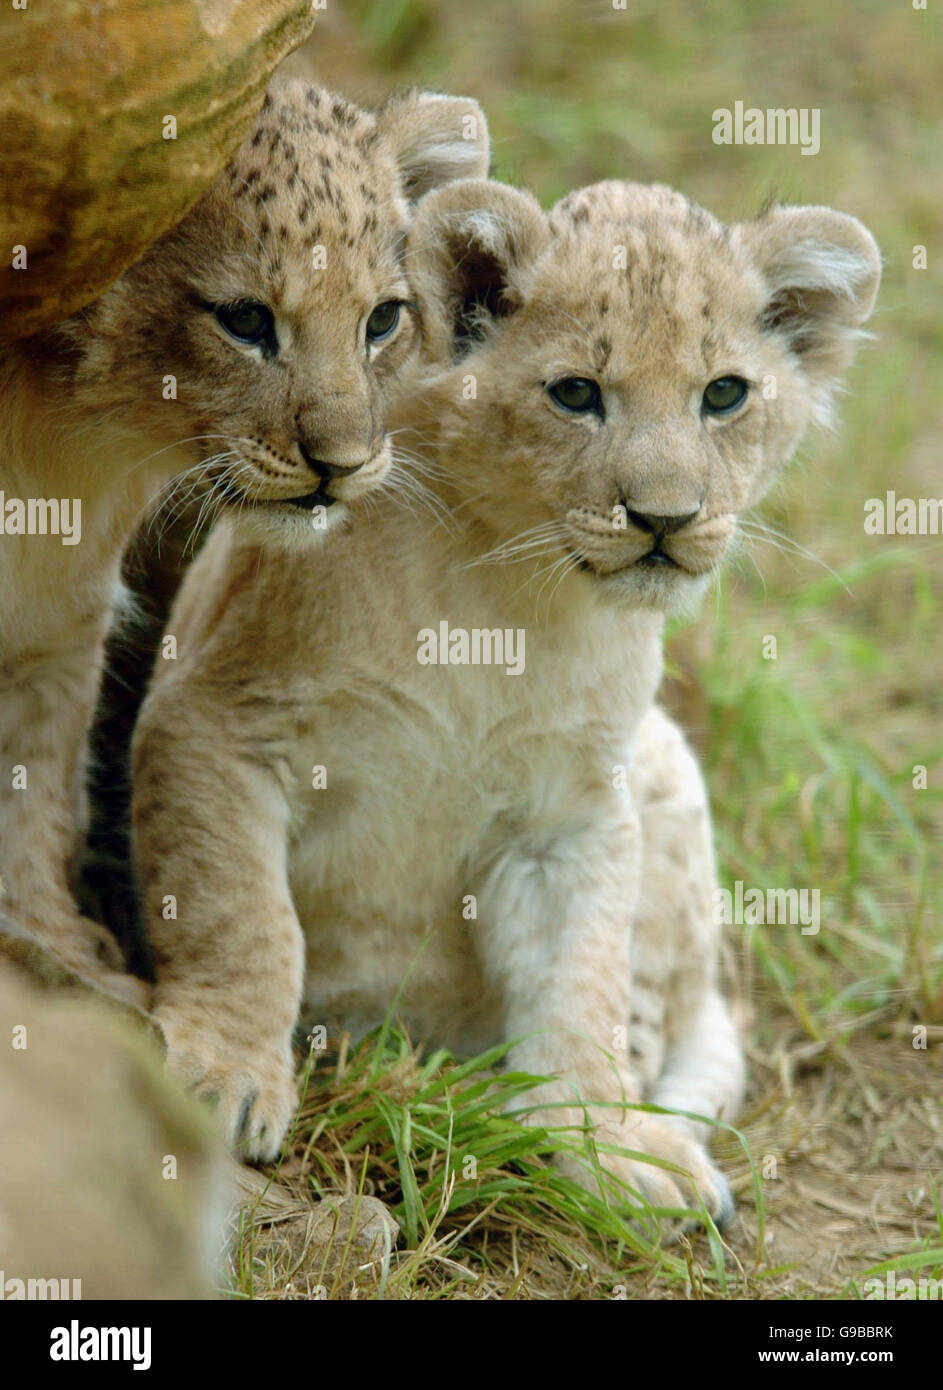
(245, 1111)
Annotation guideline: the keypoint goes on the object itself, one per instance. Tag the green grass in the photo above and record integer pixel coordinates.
(809, 798)
(809, 756)
(442, 1143)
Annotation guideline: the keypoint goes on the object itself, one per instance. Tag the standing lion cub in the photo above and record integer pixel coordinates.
(427, 758)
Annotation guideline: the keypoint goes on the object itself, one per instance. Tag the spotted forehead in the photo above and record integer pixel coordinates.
(315, 173)
(651, 274)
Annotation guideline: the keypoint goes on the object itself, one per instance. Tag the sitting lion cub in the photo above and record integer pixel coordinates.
(250, 356)
(428, 759)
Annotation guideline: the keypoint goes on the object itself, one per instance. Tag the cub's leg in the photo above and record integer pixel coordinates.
(45, 709)
(704, 1069)
(554, 933)
(210, 841)
(681, 1024)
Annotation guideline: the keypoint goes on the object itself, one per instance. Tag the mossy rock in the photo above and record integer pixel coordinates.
(88, 175)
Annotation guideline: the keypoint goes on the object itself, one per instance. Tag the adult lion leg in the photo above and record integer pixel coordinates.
(44, 712)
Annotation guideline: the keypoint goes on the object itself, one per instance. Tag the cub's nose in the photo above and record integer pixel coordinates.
(660, 525)
(329, 470)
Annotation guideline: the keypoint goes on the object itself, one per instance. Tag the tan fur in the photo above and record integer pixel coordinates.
(92, 1124)
(558, 800)
(85, 413)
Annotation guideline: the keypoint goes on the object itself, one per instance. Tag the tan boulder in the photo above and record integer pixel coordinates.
(89, 99)
(111, 1176)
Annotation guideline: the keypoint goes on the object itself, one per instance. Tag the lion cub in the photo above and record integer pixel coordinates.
(430, 760)
(251, 353)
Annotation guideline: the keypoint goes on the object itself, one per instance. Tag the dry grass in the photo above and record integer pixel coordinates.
(843, 1142)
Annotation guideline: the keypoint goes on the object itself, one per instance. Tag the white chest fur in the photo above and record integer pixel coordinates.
(413, 784)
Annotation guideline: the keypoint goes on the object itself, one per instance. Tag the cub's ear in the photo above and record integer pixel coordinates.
(435, 139)
(468, 253)
(822, 270)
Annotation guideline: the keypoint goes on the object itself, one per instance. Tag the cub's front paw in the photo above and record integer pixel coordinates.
(698, 1182)
(252, 1093)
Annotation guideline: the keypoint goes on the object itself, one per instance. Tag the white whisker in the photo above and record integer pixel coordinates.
(755, 530)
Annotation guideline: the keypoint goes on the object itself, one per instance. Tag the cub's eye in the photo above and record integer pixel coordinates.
(383, 321)
(248, 321)
(576, 394)
(725, 394)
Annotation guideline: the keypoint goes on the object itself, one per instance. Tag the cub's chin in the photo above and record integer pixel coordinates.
(667, 588)
(296, 523)
(288, 525)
